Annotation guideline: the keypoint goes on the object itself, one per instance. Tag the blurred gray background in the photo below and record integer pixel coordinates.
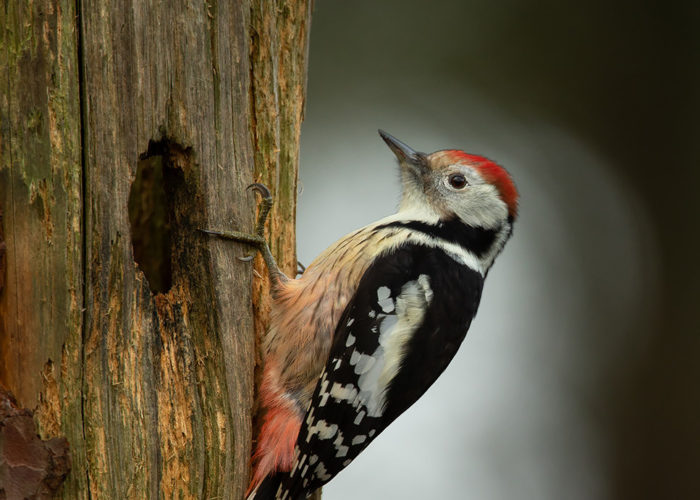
(579, 377)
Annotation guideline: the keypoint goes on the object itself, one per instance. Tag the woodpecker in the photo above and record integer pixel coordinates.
(375, 319)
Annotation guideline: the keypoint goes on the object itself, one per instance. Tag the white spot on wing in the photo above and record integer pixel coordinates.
(350, 341)
(344, 392)
(384, 299)
(321, 472)
(361, 362)
(395, 332)
(323, 391)
(298, 463)
(323, 430)
(411, 305)
(387, 324)
(341, 449)
(383, 293)
(359, 439)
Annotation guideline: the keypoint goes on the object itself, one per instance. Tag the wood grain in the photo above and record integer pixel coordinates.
(41, 302)
(154, 391)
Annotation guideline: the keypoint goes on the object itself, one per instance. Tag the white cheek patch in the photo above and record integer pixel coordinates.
(482, 208)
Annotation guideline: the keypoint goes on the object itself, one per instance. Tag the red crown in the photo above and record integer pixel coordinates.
(493, 174)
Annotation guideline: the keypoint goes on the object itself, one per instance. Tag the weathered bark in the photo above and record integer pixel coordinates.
(126, 126)
(40, 198)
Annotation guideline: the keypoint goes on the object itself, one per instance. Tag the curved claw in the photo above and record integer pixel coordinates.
(265, 206)
(257, 239)
(261, 188)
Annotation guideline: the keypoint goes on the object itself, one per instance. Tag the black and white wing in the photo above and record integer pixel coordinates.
(404, 325)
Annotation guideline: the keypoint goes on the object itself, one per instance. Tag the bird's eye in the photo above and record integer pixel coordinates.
(457, 181)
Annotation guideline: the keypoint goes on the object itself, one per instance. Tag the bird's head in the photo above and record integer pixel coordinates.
(450, 183)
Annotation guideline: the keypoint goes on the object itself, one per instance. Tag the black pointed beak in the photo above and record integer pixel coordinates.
(403, 152)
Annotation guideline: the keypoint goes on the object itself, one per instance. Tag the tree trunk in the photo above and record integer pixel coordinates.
(126, 126)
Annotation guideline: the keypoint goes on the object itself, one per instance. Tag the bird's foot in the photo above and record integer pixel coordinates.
(257, 239)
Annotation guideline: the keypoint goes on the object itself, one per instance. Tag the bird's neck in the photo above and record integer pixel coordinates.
(483, 244)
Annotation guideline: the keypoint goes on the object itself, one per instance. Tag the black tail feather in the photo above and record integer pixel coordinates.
(268, 489)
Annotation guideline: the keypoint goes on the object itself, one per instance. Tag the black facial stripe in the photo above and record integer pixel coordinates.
(477, 240)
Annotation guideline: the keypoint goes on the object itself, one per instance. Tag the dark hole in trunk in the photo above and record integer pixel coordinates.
(155, 205)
